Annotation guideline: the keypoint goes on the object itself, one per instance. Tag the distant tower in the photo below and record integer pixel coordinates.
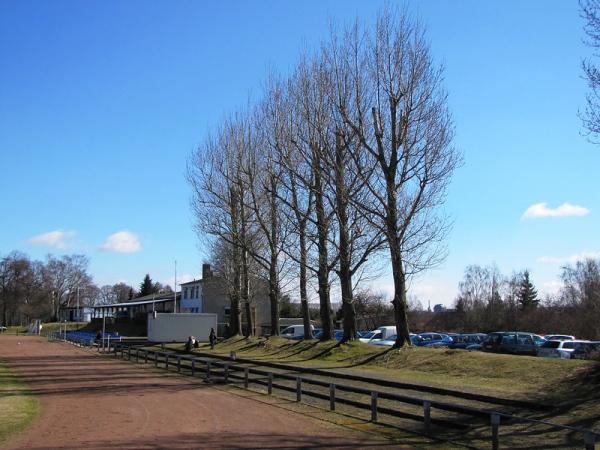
(429, 305)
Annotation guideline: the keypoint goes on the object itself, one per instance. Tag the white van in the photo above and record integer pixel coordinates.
(295, 332)
(381, 333)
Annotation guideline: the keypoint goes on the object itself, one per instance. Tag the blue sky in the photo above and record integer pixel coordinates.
(102, 102)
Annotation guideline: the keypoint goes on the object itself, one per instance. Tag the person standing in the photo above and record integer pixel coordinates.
(212, 338)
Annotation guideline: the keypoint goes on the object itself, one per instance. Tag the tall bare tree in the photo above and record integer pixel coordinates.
(389, 94)
(212, 171)
(294, 180)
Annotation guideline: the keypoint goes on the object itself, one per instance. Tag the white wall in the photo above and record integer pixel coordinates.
(169, 327)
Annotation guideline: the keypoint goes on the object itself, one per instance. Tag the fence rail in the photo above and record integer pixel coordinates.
(228, 372)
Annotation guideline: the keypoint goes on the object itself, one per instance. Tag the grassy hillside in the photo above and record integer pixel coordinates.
(506, 375)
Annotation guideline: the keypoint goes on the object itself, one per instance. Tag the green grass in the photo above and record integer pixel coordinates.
(496, 374)
(17, 407)
(571, 387)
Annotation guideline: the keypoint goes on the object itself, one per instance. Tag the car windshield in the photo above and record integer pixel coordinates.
(369, 335)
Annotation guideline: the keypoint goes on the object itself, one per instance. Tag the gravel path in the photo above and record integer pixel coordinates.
(93, 402)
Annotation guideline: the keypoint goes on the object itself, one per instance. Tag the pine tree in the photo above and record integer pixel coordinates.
(147, 286)
(528, 296)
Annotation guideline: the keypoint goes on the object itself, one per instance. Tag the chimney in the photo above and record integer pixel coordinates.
(206, 272)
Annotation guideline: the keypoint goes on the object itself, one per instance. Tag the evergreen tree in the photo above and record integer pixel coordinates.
(528, 296)
(147, 286)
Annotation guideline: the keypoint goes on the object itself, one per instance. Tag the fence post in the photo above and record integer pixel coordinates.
(167, 361)
(178, 363)
(373, 406)
(155, 359)
(226, 372)
(589, 439)
(332, 396)
(108, 344)
(137, 355)
(145, 356)
(193, 366)
(298, 389)
(246, 371)
(427, 415)
(270, 385)
(495, 419)
(208, 370)
(129, 353)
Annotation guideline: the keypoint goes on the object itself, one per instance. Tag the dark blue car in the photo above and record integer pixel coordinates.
(467, 340)
(431, 340)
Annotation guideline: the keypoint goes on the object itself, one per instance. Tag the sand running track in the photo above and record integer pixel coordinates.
(93, 402)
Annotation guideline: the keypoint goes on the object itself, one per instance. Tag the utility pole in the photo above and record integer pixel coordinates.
(175, 291)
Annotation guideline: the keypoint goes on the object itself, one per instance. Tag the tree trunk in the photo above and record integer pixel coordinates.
(245, 278)
(345, 274)
(399, 302)
(303, 282)
(246, 295)
(274, 263)
(236, 313)
(323, 271)
(274, 300)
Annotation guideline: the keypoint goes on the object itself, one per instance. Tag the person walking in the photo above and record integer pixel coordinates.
(212, 338)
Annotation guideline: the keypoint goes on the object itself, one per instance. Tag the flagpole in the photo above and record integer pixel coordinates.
(175, 291)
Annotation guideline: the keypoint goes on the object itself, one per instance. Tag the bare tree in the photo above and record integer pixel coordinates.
(211, 171)
(389, 94)
(313, 138)
(63, 276)
(590, 12)
(294, 192)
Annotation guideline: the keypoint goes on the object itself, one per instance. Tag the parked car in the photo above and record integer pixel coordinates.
(391, 340)
(379, 334)
(432, 340)
(585, 350)
(559, 337)
(559, 349)
(295, 332)
(516, 342)
(466, 340)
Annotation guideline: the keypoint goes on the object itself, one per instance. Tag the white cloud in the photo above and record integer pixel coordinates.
(572, 259)
(58, 239)
(122, 242)
(565, 210)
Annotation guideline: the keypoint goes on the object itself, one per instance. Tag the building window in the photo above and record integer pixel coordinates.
(184, 292)
(227, 310)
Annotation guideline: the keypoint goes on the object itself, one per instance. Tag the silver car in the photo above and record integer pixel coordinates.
(559, 349)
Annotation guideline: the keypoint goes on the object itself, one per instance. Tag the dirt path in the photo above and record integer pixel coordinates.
(93, 402)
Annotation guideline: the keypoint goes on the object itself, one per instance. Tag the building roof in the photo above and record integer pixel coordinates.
(191, 282)
(145, 300)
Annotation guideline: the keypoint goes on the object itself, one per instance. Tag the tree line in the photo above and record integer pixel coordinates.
(339, 166)
(31, 289)
(491, 301)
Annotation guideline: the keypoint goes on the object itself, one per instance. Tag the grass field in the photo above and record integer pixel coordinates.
(503, 375)
(572, 387)
(17, 406)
